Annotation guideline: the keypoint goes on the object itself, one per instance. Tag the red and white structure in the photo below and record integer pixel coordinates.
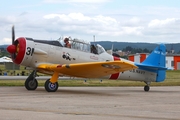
(172, 60)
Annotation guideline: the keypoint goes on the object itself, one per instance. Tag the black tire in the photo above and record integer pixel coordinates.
(51, 87)
(31, 84)
(146, 88)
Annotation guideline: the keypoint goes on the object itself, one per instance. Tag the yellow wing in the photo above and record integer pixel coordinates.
(90, 69)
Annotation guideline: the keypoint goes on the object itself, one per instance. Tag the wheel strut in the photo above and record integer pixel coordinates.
(31, 83)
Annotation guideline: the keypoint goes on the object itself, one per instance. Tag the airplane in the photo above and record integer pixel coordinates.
(53, 58)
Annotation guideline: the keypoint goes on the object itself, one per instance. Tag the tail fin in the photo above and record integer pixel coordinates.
(155, 62)
(157, 57)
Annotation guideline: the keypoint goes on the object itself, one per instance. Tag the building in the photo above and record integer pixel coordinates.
(172, 60)
(9, 65)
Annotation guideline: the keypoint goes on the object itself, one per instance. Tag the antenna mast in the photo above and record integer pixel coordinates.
(94, 37)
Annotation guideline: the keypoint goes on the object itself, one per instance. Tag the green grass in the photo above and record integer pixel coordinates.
(172, 79)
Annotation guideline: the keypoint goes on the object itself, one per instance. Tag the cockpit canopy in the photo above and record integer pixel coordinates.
(82, 45)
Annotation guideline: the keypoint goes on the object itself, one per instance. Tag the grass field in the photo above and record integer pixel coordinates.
(172, 79)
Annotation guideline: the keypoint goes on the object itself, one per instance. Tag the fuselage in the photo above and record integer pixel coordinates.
(48, 53)
(32, 52)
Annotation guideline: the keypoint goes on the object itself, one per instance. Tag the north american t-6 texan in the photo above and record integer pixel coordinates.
(77, 58)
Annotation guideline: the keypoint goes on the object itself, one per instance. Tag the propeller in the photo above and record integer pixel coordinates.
(13, 35)
(16, 50)
(12, 48)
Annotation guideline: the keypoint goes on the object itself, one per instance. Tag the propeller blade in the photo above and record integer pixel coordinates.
(13, 34)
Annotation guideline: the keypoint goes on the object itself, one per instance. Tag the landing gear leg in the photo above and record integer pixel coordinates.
(31, 83)
(51, 85)
(147, 87)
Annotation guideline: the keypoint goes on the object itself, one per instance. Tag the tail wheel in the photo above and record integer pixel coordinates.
(31, 84)
(146, 88)
(51, 87)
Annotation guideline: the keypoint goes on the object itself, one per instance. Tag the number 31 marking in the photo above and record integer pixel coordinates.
(29, 51)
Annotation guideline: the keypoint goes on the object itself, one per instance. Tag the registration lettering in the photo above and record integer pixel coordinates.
(137, 71)
(158, 52)
(94, 57)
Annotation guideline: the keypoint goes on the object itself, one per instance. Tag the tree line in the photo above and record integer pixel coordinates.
(134, 50)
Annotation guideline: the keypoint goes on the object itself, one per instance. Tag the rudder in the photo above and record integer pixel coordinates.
(155, 62)
(157, 57)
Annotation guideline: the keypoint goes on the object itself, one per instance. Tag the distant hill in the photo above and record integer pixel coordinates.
(3, 46)
(150, 46)
(3, 51)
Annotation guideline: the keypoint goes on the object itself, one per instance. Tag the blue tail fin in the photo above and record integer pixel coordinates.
(155, 62)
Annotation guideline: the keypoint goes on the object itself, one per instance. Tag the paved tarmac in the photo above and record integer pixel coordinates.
(90, 103)
(38, 78)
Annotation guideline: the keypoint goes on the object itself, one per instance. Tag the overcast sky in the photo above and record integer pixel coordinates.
(152, 21)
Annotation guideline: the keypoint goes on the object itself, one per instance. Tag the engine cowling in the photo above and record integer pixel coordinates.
(17, 50)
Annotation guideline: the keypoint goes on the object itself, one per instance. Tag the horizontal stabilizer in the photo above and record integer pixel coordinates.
(150, 67)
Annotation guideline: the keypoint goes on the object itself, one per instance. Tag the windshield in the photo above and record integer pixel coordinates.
(100, 49)
(83, 45)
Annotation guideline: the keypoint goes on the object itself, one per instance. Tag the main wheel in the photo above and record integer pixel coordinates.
(146, 88)
(31, 84)
(51, 87)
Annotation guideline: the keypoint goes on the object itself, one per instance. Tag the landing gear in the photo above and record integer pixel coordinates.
(51, 87)
(147, 87)
(31, 83)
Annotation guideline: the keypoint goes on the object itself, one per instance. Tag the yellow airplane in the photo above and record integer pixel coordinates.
(78, 58)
